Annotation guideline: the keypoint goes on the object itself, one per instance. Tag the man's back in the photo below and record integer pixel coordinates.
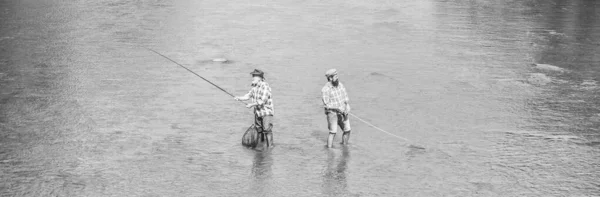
(262, 93)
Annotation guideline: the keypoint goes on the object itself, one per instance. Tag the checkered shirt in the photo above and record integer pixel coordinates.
(261, 94)
(334, 97)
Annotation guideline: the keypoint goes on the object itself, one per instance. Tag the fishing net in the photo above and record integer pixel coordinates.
(251, 137)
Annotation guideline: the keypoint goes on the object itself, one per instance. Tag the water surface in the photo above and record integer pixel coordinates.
(86, 110)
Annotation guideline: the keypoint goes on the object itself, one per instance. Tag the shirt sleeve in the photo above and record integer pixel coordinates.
(325, 95)
(346, 99)
(346, 95)
(250, 93)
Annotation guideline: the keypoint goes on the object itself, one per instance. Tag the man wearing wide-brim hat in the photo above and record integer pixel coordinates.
(260, 96)
(335, 100)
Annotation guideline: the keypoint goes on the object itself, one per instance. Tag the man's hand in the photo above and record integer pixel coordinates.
(241, 98)
(344, 112)
(249, 105)
(346, 109)
(337, 110)
(342, 109)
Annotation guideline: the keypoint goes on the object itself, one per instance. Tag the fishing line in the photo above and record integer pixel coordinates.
(364, 121)
(194, 73)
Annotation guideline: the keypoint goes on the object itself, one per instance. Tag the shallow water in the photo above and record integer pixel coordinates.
(86, 110)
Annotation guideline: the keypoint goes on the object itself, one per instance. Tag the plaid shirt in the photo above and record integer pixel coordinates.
(261, 94)
(335, 97)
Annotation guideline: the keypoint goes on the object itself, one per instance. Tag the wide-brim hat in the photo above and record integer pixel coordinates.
(331, 72)
(257, 72)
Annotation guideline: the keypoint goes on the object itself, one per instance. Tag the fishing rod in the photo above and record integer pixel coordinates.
(194, 73)
(364, 121)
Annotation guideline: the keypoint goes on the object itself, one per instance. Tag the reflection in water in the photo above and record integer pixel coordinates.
(261, 172)
(334, 177)
(85, 113)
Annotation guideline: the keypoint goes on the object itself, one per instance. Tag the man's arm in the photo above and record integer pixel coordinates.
(325, 95)
(245, 97)
(346, 101)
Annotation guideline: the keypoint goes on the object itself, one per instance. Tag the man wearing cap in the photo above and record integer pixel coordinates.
(335, 100)
(260, 96)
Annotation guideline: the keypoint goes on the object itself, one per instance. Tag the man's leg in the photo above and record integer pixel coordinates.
(258, 123)
(345, 137)
(330, 140)
(332, 126)
(261, 130)
(268, 129)
(345, 125)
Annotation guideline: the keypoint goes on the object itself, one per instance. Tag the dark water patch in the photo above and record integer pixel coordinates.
(204, 131)
(377, 74)
(137, 4)
(380, 76)
(414, 151)
(545, 135)
(290, 147)
(117, 4)
(380, 86)
(5, 99)
(42, 65)
(480, 186)
(175, 126)
(593, 143)
(415, 147)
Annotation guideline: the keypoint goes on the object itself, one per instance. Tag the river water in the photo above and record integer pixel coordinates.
(86, 110)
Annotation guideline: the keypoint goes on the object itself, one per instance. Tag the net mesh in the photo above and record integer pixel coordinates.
(250, 138)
